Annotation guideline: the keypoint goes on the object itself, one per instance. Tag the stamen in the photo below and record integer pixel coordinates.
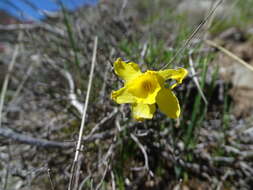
(147, 85)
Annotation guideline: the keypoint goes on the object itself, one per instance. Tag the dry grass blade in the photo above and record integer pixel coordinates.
(195, 79)
(113, 181)
(230, 54)
(43, 26)
(79, 143)
(194, 33)
(7, 77)
(146, 166)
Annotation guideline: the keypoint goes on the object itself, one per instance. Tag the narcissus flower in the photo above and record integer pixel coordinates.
(144, 90)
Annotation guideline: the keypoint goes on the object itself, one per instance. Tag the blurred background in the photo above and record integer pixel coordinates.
(46, 52)
(31, 10)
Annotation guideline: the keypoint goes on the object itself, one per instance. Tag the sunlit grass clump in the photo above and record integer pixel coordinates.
(144, 90)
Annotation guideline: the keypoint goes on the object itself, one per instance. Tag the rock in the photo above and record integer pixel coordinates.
(240, 76)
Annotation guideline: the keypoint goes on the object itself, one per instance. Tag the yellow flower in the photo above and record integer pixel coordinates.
(144, 90)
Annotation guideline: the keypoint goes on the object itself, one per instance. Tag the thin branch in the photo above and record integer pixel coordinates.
(72, 96)
(9, 133)
(223, 179)
(84, 181)
(79, 164)
(103, 177)
(21, 138)
(79, 143)
(104, 160)
(100, 136)
(98, 125)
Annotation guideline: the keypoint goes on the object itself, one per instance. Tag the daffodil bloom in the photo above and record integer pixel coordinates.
(144, 90)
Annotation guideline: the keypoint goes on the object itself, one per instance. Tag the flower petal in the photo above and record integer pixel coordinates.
(122, 96)
(127, 71)
(168, 103)
(177, 74)
(143, 111)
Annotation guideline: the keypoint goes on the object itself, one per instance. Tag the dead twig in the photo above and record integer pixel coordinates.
(9, 133)
(44, 26)
(107, 155)
(72, 96)
(83, 182)
(224, 177)
(100, 136)
(79, 164)
(103, 177)
(98, 125)
(146, 165)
